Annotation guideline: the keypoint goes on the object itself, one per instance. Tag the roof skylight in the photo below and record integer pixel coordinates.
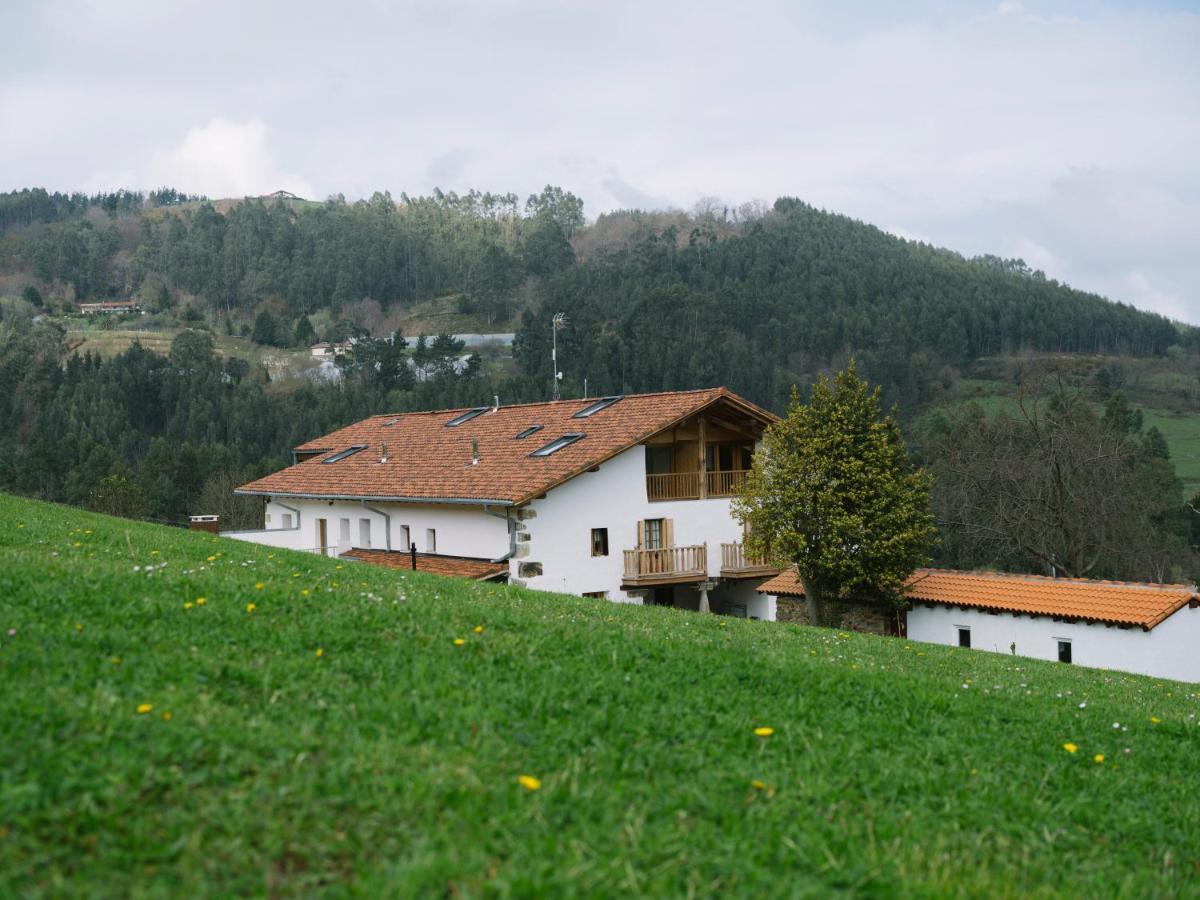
(593, 408)
(557, 444)
(526, 432)
(337, 457)
(467, 416)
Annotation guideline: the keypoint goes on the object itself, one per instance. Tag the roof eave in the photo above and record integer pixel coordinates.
(307, 495)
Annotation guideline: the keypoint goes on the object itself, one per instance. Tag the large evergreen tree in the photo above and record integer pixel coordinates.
(833, 493)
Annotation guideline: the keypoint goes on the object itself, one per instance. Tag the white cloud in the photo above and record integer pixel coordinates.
(224, 159)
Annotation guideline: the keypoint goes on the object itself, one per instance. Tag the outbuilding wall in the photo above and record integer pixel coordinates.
(1170, 650)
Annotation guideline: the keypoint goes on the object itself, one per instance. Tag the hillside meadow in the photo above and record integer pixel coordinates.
(189, 715)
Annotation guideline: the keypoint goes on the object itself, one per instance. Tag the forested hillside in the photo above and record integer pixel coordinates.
(756, 298)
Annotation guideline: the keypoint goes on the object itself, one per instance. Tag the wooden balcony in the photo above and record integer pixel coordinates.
(686, 485)
(666, 565)
(736, 564)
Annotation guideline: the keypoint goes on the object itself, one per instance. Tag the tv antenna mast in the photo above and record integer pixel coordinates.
(557, 324)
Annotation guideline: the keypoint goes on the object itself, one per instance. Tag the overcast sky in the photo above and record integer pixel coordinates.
(1065, 133)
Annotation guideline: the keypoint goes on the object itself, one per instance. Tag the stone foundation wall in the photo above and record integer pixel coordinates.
(855, 616)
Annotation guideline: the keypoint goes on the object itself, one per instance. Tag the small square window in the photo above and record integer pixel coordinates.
(596, 595)
(964, 637)
(599, 542)
(1064, 651)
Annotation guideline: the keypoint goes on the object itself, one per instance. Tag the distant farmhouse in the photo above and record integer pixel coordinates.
(327, 350)
(107, 306)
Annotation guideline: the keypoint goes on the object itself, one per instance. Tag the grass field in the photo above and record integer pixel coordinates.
(318, 725)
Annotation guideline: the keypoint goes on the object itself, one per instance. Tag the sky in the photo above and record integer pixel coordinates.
(1064, 133)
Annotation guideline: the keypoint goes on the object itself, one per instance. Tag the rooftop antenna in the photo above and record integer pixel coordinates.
(557, 324)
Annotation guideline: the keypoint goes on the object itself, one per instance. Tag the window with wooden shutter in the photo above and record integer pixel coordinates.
(668, 533)
(652, 531)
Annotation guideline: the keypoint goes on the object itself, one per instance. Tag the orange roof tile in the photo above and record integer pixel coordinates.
(449, 566)
(428, 461)
(1114, 602)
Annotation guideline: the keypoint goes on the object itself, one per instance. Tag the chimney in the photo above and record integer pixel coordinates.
(495, 402)
(384, 457)
(211, 524)
(474, 452)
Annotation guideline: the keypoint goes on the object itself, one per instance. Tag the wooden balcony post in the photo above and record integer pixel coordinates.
(703, 460)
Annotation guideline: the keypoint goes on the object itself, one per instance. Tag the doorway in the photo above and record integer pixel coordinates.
(323, 536)
(662, 596)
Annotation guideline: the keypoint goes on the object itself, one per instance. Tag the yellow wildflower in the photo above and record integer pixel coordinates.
(250, 607)
(1155, 719)
(529, 782)
(188, 605)
(166, 716)
(200, 601)
(212, 559)
(478, 629)
(1099, 757)
(259, 586)
(295, 574)
(144, 708)
(304, 592)
(458, 642)
(764, 731)
(77, 544)
(320, 652)
(758, 785)
(1069, 747)
(116, 660)
(79, 626)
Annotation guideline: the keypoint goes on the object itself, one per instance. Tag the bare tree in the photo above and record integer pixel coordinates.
(1055, 486)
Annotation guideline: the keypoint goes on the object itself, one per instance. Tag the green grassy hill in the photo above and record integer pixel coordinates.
(312, 724)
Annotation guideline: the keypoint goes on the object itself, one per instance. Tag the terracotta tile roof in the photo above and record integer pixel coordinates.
(450, 566)
(426, 460)
(1114, 602)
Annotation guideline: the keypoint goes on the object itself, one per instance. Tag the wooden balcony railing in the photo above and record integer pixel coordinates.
(686, 485)
(673, 486)
(725, 484)
(666, 563)
(734, 561)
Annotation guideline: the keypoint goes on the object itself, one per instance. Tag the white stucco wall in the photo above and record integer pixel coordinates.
(1170, 650)
(461, 530)
(614, 497)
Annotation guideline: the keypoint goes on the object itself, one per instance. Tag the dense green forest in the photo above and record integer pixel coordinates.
(758, 298)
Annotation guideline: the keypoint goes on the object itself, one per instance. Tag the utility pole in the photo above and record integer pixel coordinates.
(557, 324)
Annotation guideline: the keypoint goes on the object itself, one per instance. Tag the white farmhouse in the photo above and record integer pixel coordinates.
(625, 497)
(1150, 629)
